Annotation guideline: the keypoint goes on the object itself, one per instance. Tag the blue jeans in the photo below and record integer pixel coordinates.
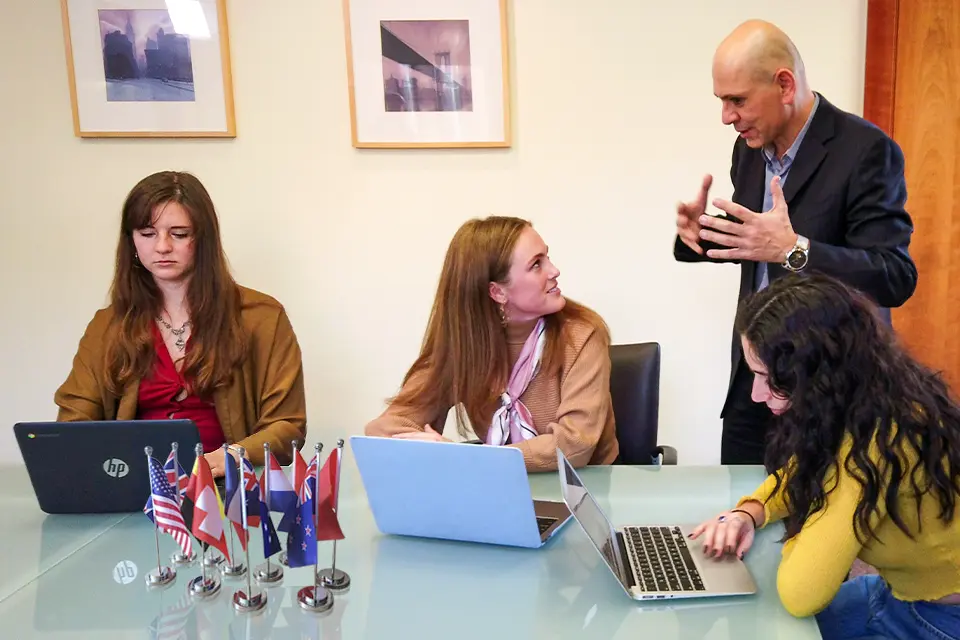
(864, 609)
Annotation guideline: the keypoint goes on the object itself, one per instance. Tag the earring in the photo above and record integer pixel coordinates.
(504, 317)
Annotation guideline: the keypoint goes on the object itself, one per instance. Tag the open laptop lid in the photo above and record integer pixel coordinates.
(447, 490)
(591, 518)
(99, 466)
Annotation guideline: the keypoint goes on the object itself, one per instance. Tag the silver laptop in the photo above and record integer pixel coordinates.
(652, 562)
(454, 491)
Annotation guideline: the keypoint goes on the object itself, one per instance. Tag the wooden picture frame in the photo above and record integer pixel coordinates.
(428, 73)
(149, 68)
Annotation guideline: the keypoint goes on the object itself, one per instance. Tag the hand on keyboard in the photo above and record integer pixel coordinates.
(728, 532)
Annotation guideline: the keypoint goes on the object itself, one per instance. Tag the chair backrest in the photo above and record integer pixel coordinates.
(635, 389)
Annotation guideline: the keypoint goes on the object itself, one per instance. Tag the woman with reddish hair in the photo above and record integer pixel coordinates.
(526, 367)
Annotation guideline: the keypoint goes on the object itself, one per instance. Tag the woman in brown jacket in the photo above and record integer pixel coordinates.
(182, 340)
(525, 366)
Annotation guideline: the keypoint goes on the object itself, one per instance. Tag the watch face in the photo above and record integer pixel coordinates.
(797, 259)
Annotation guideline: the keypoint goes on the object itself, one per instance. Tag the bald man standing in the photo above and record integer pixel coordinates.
(815, 189)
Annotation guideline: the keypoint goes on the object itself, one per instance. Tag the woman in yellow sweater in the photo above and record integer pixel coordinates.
(525, 366)
(864, 461)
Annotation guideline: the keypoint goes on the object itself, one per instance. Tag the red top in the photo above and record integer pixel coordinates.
(155, 400)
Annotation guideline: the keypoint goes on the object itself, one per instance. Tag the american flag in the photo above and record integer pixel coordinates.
(171, 624)
(163, 507)
(176, 477)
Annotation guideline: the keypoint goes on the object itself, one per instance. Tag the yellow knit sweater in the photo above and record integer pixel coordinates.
(816, 561)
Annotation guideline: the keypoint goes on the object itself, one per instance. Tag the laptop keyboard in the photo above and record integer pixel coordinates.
(544, 523)
(662, 560)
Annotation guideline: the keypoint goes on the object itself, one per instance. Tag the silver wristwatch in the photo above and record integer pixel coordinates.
(798, 256)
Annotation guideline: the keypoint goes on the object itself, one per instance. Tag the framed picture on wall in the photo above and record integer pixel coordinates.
(149, 68)
(428, 73)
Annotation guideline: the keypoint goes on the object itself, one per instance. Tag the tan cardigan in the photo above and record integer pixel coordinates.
(572, 411)
(264, 402)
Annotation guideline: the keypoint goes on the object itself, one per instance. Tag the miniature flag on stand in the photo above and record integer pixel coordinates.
(163, 507)
(283, 498)
(301, 538)
(234, 496)
(301, 473)
(267, 572)
(257, 513)
(203, 501)
(311, 480)
(328, 521)
(177, 477)
(328, 524)
(251, 492)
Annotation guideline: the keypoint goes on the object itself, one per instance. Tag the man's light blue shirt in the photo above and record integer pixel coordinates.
(779, 167)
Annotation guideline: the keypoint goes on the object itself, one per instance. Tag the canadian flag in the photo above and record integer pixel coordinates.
(328, 525)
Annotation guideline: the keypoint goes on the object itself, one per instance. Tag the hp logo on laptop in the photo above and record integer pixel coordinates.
(116, 468)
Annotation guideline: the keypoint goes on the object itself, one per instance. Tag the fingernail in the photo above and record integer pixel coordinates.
(740, 555)
(689, 535)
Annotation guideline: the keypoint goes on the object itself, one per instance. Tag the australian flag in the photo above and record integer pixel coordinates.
(256, 505)
(302, 536)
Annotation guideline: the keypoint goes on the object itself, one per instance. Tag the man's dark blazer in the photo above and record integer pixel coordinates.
(846, 193)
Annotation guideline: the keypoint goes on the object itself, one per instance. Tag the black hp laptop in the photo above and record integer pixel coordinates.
(99, 467)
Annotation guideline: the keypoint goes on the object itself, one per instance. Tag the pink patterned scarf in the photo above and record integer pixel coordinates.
(513, 419)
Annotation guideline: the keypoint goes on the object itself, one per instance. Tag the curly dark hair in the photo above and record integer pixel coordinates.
(845, 375)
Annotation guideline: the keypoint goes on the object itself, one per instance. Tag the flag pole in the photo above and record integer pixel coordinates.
(203, 587)
(235, 568)
(333, 578)
(293, 457)
(174, 449)
(315, 598)
(217, 559)
(317, 448)
(178, 557)
(252, 600)
(163, 576)
(266, 572)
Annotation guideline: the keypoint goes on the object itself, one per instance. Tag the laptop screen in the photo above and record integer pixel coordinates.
(588, 513)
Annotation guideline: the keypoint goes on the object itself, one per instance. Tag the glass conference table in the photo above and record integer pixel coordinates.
(83, 577)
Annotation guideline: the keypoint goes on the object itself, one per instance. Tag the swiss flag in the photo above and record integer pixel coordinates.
(328, 525)
(207, 517)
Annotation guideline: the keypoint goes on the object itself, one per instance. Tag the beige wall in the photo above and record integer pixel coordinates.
(614, 121)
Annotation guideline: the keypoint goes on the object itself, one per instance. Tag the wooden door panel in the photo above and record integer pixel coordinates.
(912, 90)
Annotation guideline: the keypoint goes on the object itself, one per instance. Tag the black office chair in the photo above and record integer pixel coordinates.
(635, 389)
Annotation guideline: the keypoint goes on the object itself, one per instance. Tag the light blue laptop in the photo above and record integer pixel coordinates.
(454, 491)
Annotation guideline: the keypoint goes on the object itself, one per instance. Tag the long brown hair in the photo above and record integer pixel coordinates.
(463, 360)
(217, 343)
